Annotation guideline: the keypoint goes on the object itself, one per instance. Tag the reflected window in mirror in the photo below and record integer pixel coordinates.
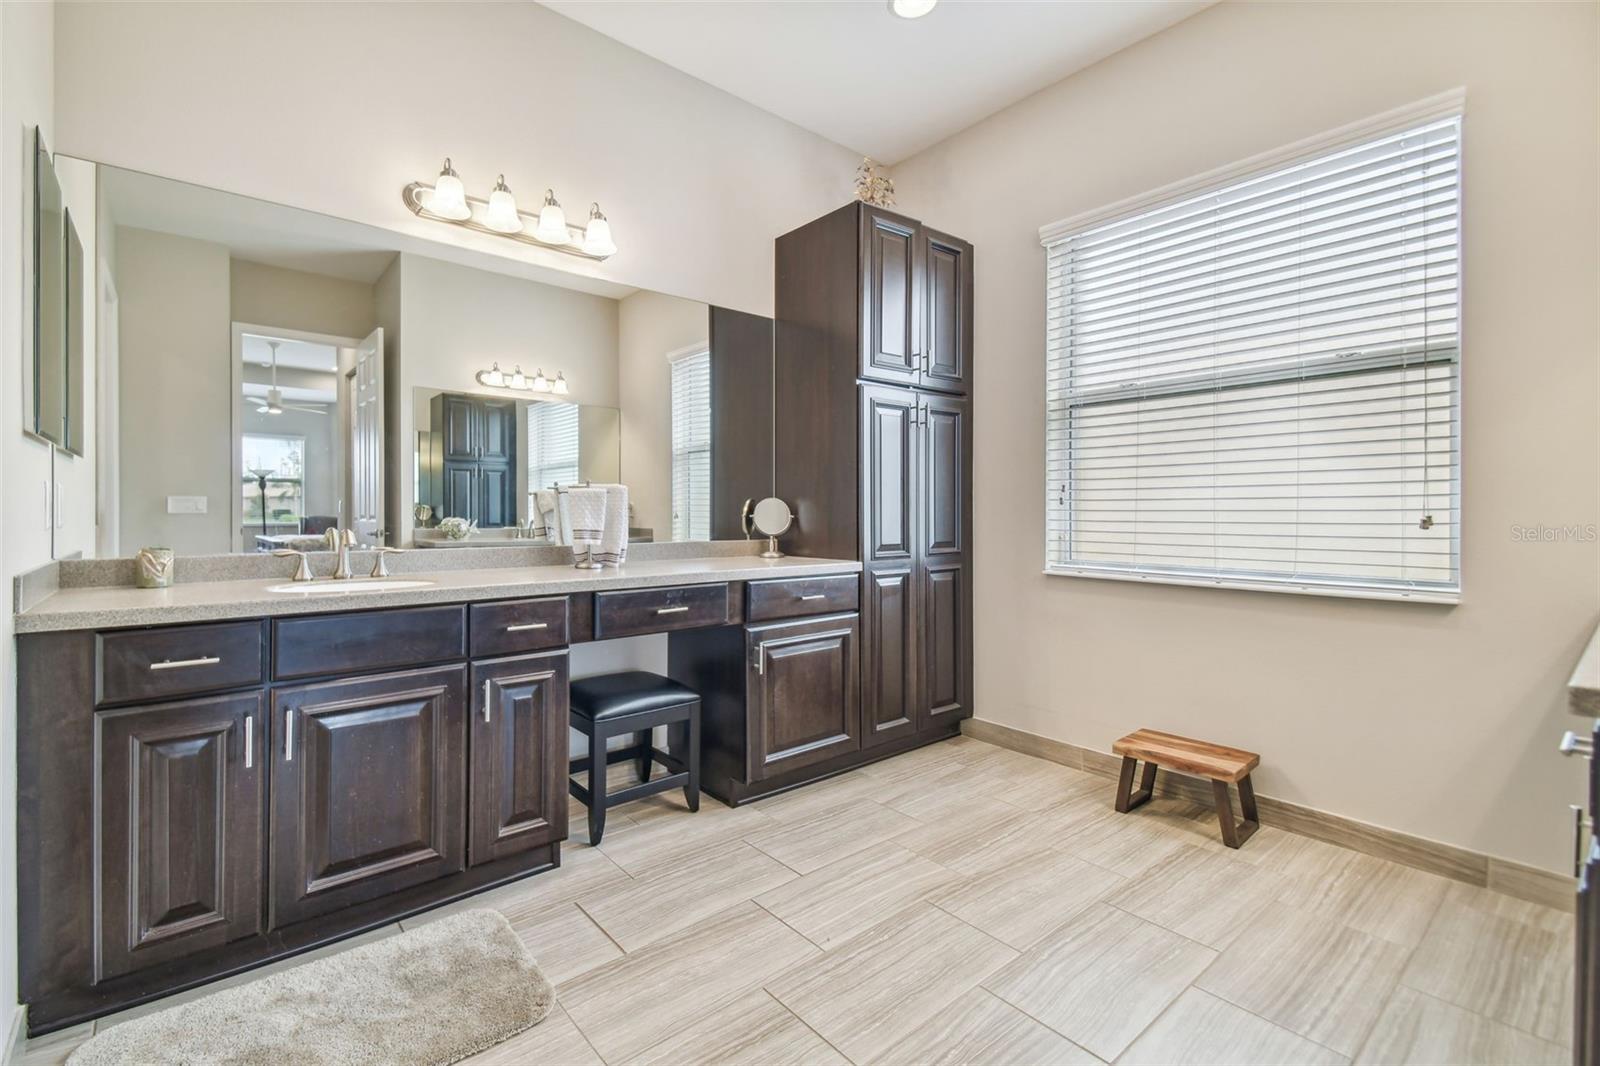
(273, 482)
(552, 445)
(691, 445)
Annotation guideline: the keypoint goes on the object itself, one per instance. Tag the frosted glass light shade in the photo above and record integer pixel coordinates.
(597, 234)
(494, 377)
(540, 382)
(519, 380)
(560, 385)
(502, 214)
(449, 196)
(552, 228)
(911, 9)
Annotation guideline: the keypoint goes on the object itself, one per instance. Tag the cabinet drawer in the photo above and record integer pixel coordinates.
(151, 664)
(793, 597)
(517, 626)
(626, 614)
(367, 640)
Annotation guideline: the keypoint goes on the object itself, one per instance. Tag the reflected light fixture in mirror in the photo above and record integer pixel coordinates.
(502, 216)
(447, 201)
(517, 381)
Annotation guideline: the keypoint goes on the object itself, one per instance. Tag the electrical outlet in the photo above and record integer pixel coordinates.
(186, 505)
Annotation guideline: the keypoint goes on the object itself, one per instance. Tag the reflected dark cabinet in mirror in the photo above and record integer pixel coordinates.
(472, 474)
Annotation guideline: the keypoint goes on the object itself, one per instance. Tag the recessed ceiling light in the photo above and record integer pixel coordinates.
(911, 9)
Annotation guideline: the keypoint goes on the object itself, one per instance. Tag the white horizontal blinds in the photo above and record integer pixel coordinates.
(552, 445)
(1260, 382)
(691, 446)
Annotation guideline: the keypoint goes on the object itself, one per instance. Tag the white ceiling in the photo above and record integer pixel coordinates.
(292, 354)
(862, 77)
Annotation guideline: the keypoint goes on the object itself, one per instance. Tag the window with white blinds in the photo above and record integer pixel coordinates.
(552, 445)
(1257, 385)
(691, 446)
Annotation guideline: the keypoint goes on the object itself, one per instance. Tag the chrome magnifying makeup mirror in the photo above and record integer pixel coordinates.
(772, 519)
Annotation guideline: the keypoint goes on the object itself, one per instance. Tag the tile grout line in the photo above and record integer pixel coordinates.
(765, 991)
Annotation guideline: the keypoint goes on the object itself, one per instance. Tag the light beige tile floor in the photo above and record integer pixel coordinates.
(966, 904)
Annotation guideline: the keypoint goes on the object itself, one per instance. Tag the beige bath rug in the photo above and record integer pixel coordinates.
(427, 996)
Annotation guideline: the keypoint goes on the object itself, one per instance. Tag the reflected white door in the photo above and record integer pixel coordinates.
(366, 441)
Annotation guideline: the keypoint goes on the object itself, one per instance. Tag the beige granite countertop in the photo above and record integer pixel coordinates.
(205, 601)
(1583, 688)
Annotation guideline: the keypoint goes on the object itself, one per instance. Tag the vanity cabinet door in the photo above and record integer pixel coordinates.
(369, 789)
(802, 683)
(947, 312)
(944, 561)
(890, 439)
(180, 819)
(497, 496)
(518, 783)
(460, 491)
(891, 300)
(497, 431)
(460, 428)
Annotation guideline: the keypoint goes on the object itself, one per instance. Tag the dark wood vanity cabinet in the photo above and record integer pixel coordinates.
(872, 449)
(368, 786)
(181, 817)
(518, 794)
(803, 682)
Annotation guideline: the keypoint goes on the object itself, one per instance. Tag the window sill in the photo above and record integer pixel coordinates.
(1448, 597)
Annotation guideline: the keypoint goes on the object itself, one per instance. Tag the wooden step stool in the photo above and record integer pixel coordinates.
(1182, 755)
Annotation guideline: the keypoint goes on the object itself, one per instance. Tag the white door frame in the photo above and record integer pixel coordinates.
(236, 414)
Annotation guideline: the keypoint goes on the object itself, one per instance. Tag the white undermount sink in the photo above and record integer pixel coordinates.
(331, 587)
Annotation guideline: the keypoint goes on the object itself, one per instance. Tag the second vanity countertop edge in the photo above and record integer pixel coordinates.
(218, 601)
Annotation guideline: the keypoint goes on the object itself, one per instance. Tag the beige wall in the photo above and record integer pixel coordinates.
(265, 295)
(651, 327)
(696, 183)
(458, 321)
(1437, 721)
(176, 386)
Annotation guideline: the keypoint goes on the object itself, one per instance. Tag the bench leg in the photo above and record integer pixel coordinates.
(1236, 833)
(597, 785)
(642, 741)
(1127, 798)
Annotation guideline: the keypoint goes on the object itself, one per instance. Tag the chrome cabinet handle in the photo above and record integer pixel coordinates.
(523, 627)
(1573, 744)
(288, 736)
(1577, 840)
(815, 596)
(671, 610)
(486, 683)
(249, 741)
(179, 664)
(760, 658)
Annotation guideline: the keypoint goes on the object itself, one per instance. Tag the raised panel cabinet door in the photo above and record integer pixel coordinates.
(460, 491)
(891, 301)
(803, 679)
(889, 653)
(946, 643)
(947, 312)
(946, 471)
(180, 818)
(460, 428)
(518, 781)
(889, 443)
(369, 788)
(497, 499)
(497, 431)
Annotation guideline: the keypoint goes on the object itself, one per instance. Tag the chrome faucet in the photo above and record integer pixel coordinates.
(341, 541)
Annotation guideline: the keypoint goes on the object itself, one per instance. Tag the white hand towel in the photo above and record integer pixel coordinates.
(613, 549)
(545, 522)
(587, 508)
(563, 522)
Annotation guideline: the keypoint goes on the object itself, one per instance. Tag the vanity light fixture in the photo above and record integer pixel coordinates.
(448, 198)
(447, 201)
(552, 221)
(517, 381)
(911, 9)
(597, 234)
(502, 216)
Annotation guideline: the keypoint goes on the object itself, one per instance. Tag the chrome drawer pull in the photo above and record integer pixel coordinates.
(815, 596)
(1573, 744)
(523, 627)
(288, 736)
(178, 664)
(671, 610)
(486, 682)
(249, 741)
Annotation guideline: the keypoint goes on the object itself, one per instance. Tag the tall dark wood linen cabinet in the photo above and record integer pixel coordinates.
(873, 449)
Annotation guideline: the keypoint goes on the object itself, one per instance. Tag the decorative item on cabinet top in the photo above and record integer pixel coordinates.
(447, 201)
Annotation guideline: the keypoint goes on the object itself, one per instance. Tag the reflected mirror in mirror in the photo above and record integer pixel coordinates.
(279, 372)
(48, 416)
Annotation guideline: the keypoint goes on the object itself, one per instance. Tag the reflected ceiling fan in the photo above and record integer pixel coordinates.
(275, 404)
